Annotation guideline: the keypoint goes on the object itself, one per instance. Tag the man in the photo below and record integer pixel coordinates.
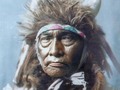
(64, 48)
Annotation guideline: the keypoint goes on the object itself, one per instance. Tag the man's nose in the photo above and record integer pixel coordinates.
(57, 48)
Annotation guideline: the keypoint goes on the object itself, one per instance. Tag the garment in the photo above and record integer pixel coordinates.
(76, 80)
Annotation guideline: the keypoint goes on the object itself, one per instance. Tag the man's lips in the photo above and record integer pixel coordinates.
(57, 64)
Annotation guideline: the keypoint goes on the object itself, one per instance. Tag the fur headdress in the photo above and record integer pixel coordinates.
(71, 12)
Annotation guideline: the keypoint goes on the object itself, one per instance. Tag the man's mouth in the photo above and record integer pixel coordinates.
(57, 64)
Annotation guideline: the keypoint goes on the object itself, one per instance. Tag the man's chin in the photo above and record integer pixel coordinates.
(56, 72)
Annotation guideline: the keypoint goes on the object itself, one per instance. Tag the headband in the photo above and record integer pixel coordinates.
(60, 27)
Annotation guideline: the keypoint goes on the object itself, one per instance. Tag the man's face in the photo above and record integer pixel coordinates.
(60, 52)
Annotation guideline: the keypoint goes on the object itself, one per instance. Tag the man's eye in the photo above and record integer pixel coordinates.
(45, 41)
(67, 40)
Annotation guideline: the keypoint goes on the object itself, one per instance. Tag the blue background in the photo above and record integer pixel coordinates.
(10, 42)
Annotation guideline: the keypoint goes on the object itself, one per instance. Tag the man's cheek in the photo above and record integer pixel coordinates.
(44, 52)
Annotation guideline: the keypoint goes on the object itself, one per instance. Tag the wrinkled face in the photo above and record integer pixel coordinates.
(60, 52)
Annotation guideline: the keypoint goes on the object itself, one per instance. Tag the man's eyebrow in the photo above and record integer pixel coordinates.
(65, 32)
(46, 33)
(62, 32)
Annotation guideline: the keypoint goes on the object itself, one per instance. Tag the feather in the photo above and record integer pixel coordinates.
(110, 54)
(19, 71)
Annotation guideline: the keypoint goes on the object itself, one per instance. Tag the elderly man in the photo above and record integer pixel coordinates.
(64, 48)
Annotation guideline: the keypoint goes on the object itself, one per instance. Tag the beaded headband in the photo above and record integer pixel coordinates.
(60, 27)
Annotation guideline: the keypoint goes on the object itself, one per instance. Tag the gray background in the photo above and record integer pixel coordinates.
(10, 42)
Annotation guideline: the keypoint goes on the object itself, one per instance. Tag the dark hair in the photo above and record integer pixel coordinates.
(72, 13)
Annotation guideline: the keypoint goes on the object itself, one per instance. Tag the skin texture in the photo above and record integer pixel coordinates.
(60, 52)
